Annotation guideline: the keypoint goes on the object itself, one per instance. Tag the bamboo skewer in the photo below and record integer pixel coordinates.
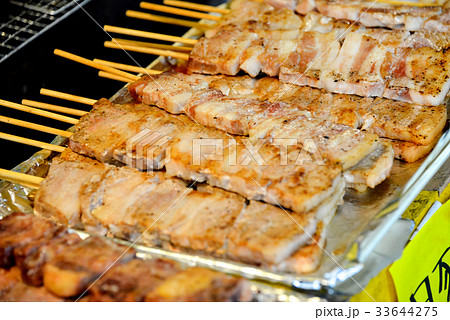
(158, 52)
(26, 180)
(152, 45)
(90, 63)
(195, 6)
(31, 142)
(111, 76)
(178, 11)
(410, 3)
(38, 112)
(52, 107)
(66, 96)
(149, 35)
(167, 20)
(126, 67)
(35, 126)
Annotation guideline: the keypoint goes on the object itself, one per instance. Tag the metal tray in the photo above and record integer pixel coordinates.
(365, 236)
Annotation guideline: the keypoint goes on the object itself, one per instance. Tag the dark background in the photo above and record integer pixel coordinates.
(35, 67)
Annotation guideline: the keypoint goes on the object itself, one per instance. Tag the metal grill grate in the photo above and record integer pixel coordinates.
(28, 19)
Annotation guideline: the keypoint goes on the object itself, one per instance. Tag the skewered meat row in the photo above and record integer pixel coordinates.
(234, 114)
(149, 138)
(335, 143)
(432, 18)
(247, 116)
(281, 24)
(362, 64)
(369, 14)
(46, 263)
(169, 214)
(386, 118)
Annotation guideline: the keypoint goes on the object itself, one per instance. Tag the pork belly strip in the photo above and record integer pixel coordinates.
(248, 116)
(411, 152)
(220, 53)
(63, 206)
(259, 18)
(386, 15)
(195, 220)
(369, 64)
(313, 182)
(359, 66)
(206, 220)
(373, 169)
(384, 117)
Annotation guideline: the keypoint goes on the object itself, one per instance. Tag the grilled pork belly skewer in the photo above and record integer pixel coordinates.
(225, 217)
(396, 120)
(298, 186)
(374, 70)
(317, 59)
(362, 147)
(359, 175)
(259, 120)
(51, 264)
(411, 16)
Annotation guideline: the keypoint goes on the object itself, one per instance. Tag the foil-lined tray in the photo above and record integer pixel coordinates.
(365, 236)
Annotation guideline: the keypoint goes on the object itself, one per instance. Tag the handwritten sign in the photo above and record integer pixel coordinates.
(423, 272)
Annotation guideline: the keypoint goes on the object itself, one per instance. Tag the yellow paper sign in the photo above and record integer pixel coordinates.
(423, 272)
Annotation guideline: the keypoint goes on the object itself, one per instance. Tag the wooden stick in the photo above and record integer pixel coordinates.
(32, 142)
(177, 11)
(410, 3)
(158, 52)
(152, 45)
(66, 96)
(126, 67)
(111, 76)
(38, 112)
(26, 180)
(149, 35)
(195, 6)
(52, 107)
(90, 63)
(168, 20)
(35, 126)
